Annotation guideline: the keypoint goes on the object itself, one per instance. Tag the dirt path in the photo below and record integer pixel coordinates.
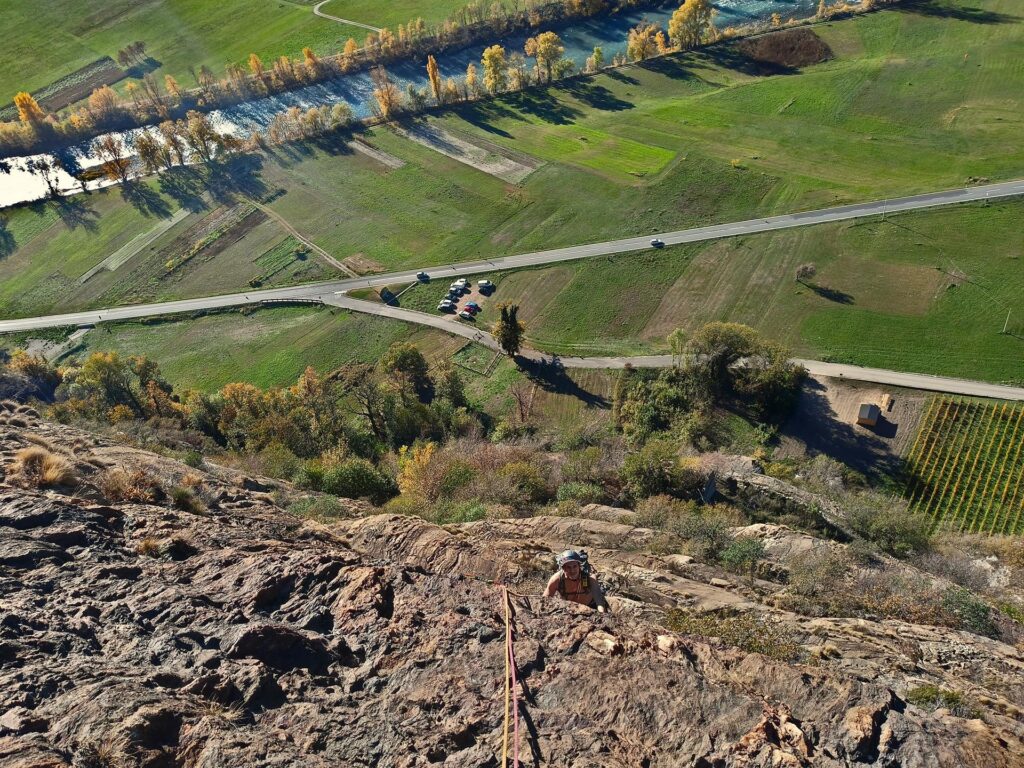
(305, 241)
(322, 15)
(476, 155)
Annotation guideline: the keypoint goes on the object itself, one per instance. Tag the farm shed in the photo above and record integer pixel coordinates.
(868, 415)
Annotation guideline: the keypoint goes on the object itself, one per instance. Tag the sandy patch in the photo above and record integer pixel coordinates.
(363, 265)
(477, 153)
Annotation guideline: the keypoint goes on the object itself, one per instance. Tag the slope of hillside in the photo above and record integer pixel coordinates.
(211, 628)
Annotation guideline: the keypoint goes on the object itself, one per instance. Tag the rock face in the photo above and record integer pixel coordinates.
(261, 639)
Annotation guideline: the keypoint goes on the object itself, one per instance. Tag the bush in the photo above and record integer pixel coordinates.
(184, 499)
(970, 612)
(527, 480)
(359, 479)
(584, 493)
(319, 508)
(310, 476)
(657, 469)
(743, 555)
(194, 459)
(135, 485)
(931, 697)
(36, 467)
(707, 537)
(751, 633)
(818, 572)
(410, 505)
(890, 525)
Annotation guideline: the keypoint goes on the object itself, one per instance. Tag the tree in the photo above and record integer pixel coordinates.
(508, 330)
(172, 135)
(47, 169)
(116, 161)
(472, 81)
(348, 53)
(642, 41)
(104, 105)
(434, 75)
(805, 272)
(312, 63)
(29, 110)
(495, 69)
(691, 23)
(201, 137)
(822, 9)
(173, 88)
(407, 366)
(677, 343)
(595, 61)
(256, 66)
(547, 49)
(152, 153)
(385, 93)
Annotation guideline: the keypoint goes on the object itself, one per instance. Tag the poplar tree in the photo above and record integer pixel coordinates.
(435, 79)
(495, 69)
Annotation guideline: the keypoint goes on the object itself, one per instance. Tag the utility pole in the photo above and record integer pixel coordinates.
(1007, 323)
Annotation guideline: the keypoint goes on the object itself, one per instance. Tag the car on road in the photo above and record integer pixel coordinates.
(657, 243)
(466, 314)
(422, 276)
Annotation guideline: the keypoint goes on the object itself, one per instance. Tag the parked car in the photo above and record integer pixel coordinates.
(473, 307)
(457, 288)
(656, 243)
(446, 305)
(462, 281)
(454, 295)
(422, 276)
(484, 284)
(466, 314)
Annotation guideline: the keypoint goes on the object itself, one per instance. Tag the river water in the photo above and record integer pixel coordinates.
(580, 38)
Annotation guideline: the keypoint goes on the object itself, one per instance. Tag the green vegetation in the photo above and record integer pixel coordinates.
(392, 13)
(966, 469)
(62, 36)
(270, 347)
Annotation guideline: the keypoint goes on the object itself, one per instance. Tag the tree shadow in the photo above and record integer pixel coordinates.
(334, 143)
(730, 57)
(622, 77)
(948, 10)
(75, 213)
(543, 104)
(831, 294)
(815, 424)
(481, 114)
(237, 176)
(148, 64)
(186, 186)
(7, 241)
(550, 375)
(669, 66)
(145, 199)
(596, 96)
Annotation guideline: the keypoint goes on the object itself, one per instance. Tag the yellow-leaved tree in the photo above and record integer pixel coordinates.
(690, 25)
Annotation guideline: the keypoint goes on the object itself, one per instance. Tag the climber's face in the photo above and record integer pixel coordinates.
(571, 570)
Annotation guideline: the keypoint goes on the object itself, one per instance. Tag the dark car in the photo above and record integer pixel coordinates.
(656, 243)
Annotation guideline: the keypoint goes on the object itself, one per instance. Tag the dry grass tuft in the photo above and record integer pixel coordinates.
(36, 467)
(148, 547)
(135, 485)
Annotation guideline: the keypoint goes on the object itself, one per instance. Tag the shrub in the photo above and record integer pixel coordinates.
(310, 476)
(931, 697)
(136, 485)
(359, 479)
(662, 511)
(584, 493)
(451, 512)
(890, 525)
(526, 479)
(319, 508)
(194, 459)
(36, 467)
(743, 555)
(656, 469)
(818, 572)
(410, 505)
(970, 612)
(707, 537)
(751, 633)
(184, 499)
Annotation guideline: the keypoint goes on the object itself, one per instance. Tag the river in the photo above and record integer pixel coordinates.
(609, 32)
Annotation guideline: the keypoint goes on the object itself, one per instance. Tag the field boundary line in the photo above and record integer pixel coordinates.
(1019, 439)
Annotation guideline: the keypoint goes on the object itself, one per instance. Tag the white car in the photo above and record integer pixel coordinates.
(462, 281)
(446, 305)
(456, 287)
(466, 314)
(484, 284)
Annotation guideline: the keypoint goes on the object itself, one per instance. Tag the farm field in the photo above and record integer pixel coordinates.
(393, 13)
(268, 347)
(966, 466)
(886, 294)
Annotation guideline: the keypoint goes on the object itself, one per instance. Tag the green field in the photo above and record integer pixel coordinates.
(966, 467)
(49, 40)
(270, 347)
(887, 294)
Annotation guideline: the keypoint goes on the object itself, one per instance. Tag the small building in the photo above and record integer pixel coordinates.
(868, 415)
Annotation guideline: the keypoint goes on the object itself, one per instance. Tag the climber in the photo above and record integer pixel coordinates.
(574, 581)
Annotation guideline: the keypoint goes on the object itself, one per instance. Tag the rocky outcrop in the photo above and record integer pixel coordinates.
(263, 639)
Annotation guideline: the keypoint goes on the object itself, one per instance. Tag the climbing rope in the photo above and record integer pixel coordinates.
(511, 689)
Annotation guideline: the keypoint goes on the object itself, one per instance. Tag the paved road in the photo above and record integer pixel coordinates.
(321, 14)
(318, 291)
(814, 367)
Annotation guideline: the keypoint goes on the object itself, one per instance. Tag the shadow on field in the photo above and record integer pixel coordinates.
(145, 199)
(7, 242)
(817, 426)
(544, 105)
(549, 374)
(147, 65)
(186, 186)
(235, 177)
(483, 113)
(622, 77)
(669, 66)
(75, 213)
(596, 96)
(730, 57)
(831, 294)
(949, 10)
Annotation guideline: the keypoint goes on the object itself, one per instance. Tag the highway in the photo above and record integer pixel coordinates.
(320, 291)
